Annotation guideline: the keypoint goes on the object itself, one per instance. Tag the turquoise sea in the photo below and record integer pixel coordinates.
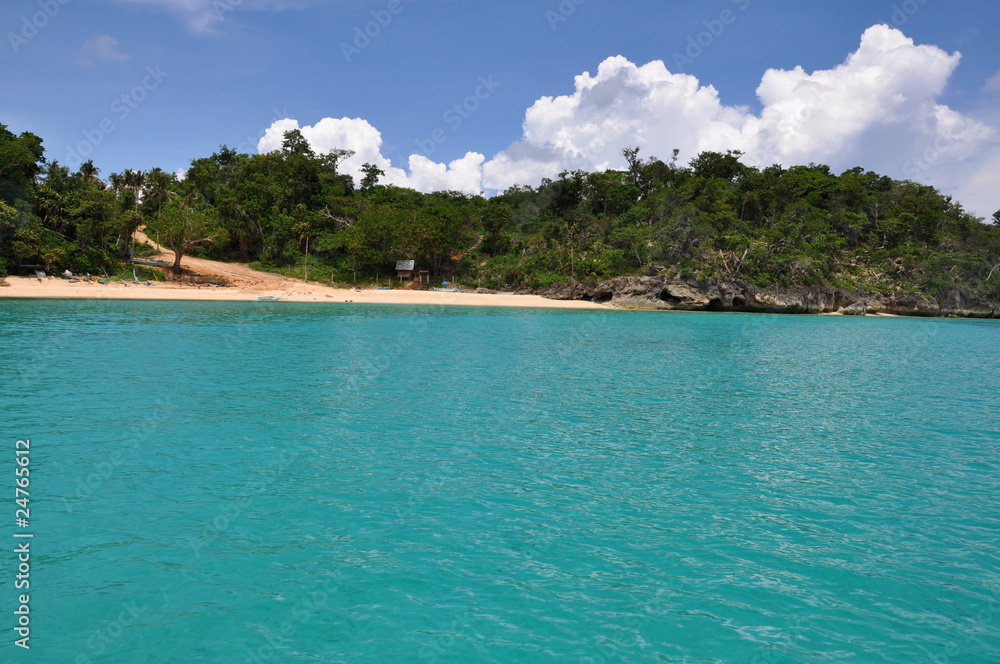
(272, 482)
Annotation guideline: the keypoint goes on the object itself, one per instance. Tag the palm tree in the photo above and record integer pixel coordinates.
(117, 181)
(136, 181)
(159, 181)
(55, 175)
(88, 171)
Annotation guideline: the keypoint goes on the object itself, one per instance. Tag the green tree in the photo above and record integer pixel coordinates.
(89, 172)
(8, 216)
(159, 184)
(184, 225)
(21, 159)
(136, 181)
(497, 219)
(634, 165)
(439, 232)
(332, 159)
(96, 229)
(117, 182)
(633, 235)
(336, 184)
(376, 240)
(371, 178)
(295, 143)
(57, 177)
(714, 165)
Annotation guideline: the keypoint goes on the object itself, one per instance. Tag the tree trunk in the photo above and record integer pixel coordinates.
(132, 250)
(178, 255)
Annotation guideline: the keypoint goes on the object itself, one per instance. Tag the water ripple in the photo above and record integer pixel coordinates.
(306, 484)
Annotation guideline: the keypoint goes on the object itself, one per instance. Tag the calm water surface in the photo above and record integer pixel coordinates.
(257, 482)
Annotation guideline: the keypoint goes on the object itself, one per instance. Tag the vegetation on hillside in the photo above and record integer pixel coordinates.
(292, 210)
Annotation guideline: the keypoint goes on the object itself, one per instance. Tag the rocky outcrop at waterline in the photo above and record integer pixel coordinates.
(710, 295)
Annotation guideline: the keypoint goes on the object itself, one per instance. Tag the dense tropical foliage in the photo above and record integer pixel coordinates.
(293, 210)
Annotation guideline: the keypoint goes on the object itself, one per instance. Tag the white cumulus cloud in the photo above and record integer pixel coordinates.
(879, 109)
(465, 174)
(356, 134)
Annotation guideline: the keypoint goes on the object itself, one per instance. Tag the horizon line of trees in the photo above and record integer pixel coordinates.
(714, 218)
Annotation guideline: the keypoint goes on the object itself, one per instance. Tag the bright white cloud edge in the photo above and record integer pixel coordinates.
(878, 110)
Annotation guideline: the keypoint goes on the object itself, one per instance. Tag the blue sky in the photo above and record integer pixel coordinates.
(196, 74)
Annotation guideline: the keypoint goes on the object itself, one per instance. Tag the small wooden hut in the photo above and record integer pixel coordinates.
(404, 270)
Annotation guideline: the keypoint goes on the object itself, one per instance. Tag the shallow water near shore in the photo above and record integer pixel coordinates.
(274, 482)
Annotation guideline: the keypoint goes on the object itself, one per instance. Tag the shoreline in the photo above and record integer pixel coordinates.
(243, 283)
(284, 289)
(287, 290)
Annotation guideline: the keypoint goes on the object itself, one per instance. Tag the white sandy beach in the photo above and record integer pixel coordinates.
(289, 290)
(247, 284)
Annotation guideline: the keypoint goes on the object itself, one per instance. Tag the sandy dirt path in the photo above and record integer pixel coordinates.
(236, 275)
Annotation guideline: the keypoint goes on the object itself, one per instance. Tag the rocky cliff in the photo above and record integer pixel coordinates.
(711, 295)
